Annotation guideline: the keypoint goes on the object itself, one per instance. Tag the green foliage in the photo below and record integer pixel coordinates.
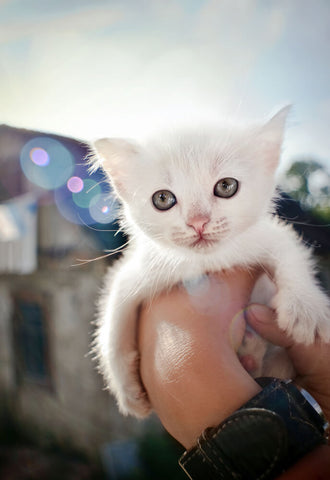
(308, 181)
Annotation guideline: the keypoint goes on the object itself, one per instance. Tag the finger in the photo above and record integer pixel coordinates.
(263, 320)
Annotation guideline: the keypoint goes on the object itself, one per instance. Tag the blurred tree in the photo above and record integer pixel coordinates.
(308, 181)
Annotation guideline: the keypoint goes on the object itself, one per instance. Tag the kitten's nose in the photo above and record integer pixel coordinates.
(198, 223)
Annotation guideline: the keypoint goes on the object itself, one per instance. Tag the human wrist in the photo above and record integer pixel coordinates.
(319, 391)
(312, 367)
(263, 438)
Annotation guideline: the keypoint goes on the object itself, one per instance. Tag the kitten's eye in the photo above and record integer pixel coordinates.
(226, 187)
(163, 199)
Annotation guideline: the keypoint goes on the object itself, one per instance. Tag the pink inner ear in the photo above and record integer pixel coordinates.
(273, 130)
(270, 138)
(271, 156)
(117, 180)
(117, 157)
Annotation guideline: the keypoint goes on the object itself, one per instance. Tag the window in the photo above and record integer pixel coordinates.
(18, 235)
(31, 340)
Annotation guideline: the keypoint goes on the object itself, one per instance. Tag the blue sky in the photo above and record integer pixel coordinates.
(125, 68)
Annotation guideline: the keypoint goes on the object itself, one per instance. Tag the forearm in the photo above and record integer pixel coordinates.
(185, 370)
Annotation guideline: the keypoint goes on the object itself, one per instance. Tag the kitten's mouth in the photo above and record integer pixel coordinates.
(202, 242)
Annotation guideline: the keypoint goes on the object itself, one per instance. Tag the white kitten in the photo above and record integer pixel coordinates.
(195, 203)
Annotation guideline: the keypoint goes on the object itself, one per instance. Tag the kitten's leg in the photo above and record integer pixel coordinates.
(117, 350)
(303, 309)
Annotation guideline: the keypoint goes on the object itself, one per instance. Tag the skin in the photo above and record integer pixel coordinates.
(190, 369)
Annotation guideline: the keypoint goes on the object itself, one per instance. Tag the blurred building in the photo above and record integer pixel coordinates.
(50, 218)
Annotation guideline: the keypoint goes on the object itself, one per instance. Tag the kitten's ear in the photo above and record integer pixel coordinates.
(271, 137)
(115, 156)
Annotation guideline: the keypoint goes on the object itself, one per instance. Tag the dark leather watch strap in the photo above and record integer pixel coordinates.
(260, 440)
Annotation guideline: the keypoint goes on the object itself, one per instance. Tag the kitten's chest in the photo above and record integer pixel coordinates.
(163, 269)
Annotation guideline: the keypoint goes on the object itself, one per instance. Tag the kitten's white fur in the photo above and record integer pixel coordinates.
(241, 231)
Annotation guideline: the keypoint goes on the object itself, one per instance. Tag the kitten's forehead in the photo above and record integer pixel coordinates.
(197, 152)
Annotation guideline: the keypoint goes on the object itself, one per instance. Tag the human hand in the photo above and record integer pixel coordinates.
(188, 340)
(311, 362)
(191, 371)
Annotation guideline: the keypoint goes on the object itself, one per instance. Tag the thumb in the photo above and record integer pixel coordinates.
(263, 320)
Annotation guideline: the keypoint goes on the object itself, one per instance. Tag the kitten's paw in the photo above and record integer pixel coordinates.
(134, 402)
(304, 318)
(131, 396)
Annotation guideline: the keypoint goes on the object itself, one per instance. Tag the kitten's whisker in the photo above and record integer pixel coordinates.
(307, 224)
(101, 229)
(89, 260)
(108, 254)
(115, 250)
(96, 184)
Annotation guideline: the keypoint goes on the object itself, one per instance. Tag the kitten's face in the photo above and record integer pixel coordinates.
(196, 191)
(197, 199)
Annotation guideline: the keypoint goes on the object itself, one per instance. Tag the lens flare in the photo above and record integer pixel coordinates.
(39, 156)
(79, 193)
(46, 162)
(69, 210)
(104, 209)
(88, 194)
(75, 184)
(197, 286)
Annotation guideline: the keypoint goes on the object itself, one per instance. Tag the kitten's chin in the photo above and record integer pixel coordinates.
(202, 246)
(203, 243)
(205, 248)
